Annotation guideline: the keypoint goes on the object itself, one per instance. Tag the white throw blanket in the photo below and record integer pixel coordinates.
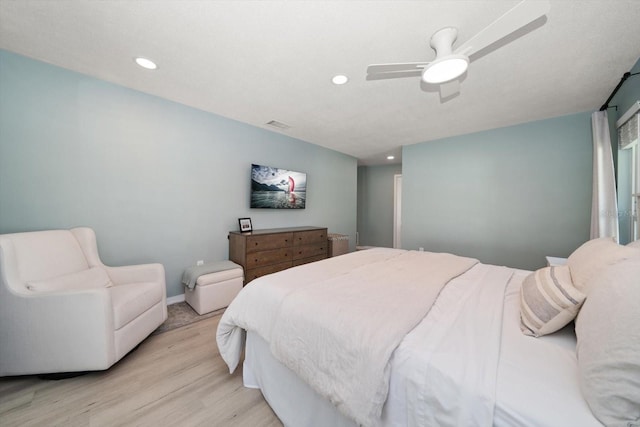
(449, 362)
(336, 323)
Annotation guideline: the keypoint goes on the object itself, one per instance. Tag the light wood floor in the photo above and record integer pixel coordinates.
(172, 379)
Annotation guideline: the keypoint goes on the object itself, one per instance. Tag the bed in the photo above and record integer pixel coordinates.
(321, 345)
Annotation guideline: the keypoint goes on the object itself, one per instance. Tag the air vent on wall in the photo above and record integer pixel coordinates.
(278, 125)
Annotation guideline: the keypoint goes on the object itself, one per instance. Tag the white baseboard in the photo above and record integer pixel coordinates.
(175, 299)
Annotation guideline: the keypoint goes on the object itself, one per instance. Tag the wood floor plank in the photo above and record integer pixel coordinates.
(176, 378)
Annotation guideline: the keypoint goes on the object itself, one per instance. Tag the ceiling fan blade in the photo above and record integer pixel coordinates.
(522, 14)
(394, 68)
(449, 89)
(394, 75)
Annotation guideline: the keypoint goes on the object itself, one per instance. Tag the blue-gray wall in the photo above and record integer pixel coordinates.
(628, 94)
(375, 204)
(157, 181)
(506, 196)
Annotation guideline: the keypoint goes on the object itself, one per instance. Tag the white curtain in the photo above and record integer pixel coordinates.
(604, 206)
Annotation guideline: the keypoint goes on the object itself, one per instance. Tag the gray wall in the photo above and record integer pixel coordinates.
(375, 204)
(156, 180)
(506, 196)
(627, 95)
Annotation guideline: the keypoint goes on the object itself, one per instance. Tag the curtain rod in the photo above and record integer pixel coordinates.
(625, 76)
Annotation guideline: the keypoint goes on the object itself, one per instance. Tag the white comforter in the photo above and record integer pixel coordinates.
(337, 323)
(454, 382)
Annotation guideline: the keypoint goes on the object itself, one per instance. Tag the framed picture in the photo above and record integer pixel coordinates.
(245, 225)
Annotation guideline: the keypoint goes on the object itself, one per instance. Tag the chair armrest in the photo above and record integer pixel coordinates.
(40, 328)
(136, 273)
(118, 275)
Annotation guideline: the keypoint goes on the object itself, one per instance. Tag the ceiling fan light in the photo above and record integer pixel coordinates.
(445, 69)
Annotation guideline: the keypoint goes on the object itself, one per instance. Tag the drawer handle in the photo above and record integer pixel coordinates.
(256, 260)
(256, 243)
(300, 253)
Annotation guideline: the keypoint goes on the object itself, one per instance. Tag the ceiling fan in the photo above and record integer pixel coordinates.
(450, 64)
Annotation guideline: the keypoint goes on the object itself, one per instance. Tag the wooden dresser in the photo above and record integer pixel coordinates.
(263, 252)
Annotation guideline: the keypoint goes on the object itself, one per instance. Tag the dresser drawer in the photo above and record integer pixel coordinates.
(254, 273)
(302, 238)
(270, 241)
(308, 251)
(274, 256)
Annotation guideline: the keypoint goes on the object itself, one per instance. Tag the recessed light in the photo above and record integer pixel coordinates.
(340, 79)
(390, 157)
(146, 63)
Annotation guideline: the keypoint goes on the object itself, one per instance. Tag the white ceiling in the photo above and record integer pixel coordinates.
(256, 61)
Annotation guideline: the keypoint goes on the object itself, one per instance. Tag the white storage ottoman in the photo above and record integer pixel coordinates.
(214, 290)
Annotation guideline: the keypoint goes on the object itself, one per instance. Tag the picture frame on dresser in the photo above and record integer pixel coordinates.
(245, 225)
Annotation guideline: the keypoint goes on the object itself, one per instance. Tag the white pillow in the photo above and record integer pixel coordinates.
(634, 244)
(586, 261)
(91, 278)
(548, 301)
(608, 349)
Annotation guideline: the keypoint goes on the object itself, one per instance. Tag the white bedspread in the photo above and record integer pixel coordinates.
(338, 327)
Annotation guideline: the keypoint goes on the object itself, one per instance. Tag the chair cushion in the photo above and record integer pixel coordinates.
(90, 278)
(41, 255)
(132, 299)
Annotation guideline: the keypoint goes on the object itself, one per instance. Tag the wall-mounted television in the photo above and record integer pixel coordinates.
(275, 188)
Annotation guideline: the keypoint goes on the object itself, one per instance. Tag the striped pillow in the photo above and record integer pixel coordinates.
(548, 301)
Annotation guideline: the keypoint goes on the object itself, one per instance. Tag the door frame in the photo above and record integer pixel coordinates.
(397, 210)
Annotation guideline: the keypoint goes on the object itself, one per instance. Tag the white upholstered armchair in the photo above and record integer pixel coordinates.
(63, 310)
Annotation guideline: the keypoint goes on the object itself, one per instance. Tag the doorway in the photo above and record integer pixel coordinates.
(397, 211)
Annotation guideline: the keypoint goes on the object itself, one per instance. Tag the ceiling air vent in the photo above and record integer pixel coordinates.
(278, 125)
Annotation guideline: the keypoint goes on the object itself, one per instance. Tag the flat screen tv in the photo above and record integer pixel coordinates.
(275, 188)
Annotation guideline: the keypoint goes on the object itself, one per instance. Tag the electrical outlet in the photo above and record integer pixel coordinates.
(199, 262)
(421, 249)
